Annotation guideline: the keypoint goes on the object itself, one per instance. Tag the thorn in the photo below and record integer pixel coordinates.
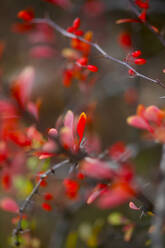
(52, 171)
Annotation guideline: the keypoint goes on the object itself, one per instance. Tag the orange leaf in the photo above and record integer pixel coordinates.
(138, 122)
(126, 20)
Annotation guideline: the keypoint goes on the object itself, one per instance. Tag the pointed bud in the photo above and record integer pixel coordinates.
(81, 126)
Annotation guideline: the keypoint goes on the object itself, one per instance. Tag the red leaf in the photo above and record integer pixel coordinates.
(98, 190)
(19, 138)
(116, 195)
(22, 86)
(138, 122)
(81, 126)
(97, 168)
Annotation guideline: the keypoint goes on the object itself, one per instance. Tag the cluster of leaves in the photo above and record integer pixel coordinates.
(105, 178)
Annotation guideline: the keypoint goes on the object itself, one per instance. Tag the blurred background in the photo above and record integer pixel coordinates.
(114, 95)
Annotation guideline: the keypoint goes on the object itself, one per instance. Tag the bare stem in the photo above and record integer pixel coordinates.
(18, 230)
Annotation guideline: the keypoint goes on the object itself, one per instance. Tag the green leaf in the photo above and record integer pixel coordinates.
(71, 240)
(115, 219)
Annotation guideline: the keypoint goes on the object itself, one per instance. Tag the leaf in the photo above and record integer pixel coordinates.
(9, 205)
(133, 206)
(72, 240)
(115, 219)
(98, 190)
(97, 168)
(66, 137)
(128, 232)
(81, 126)
(126, 20)
(42, 51)
(138, 122)
(117, 194)
(23, 185)
(22, 87)
(68, 120)
(153, 113)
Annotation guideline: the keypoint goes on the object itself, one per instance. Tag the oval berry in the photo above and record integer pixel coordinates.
(92, 68)
(76, 23)
(82, 61)
(140, 61)
(136, 53)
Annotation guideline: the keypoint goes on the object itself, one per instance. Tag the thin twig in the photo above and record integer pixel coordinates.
(158, 219)
(18, 230)
(97, 47)
(146, 23)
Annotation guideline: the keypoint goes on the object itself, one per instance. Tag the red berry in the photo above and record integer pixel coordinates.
(48, 196)
(140, 61)
(131, 72)
(142, 5)
(70, 29)
(125, 40)
(80, 176)
(76, 23)
(82, 61)
(46, 206)
(71, 187)
(79, 32)
(92, 68)
(136, 53)
(26, 15)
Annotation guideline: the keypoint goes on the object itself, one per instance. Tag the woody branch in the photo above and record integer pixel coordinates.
(17, 231)
(98, 48)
